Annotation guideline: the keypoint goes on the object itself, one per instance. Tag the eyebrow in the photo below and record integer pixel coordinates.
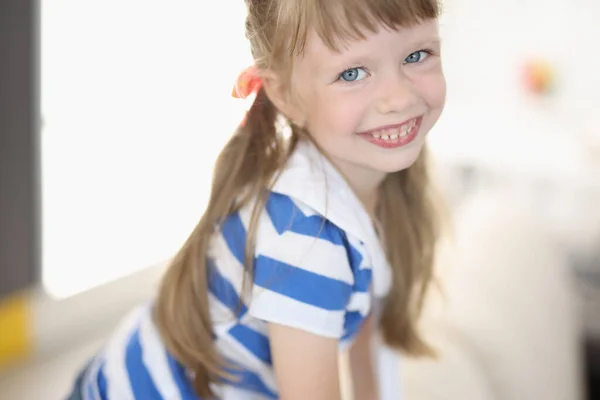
(429, 42)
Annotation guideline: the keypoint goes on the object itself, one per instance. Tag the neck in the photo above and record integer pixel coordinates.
(365, 182)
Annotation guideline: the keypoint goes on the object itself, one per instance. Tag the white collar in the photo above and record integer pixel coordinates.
(310, 178)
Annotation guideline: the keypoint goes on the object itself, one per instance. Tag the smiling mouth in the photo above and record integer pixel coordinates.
(394, 135)
(393, 132)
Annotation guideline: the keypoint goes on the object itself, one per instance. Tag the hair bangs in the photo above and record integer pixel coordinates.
(338, 22)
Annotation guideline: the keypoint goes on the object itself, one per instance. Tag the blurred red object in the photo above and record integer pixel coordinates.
(539, 77)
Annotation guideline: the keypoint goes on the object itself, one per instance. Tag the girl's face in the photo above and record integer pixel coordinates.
(371, 105)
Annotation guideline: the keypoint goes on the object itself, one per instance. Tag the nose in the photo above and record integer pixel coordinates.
(397, 93)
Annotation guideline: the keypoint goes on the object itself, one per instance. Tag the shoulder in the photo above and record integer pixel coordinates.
(289, 232)
(283, 219)
(283, 222)
(292, 232)
(299, 252)
(304, 268)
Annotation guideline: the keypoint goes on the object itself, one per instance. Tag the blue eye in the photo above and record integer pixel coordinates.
(353, 74)
(417, 56)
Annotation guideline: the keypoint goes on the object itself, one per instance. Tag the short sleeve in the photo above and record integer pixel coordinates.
(302, 273)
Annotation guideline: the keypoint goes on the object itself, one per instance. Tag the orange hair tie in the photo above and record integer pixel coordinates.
(247, 83)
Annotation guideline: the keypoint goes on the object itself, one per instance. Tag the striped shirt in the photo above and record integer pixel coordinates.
(318, 267)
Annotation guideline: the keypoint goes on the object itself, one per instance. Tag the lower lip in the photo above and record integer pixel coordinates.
(394, 143)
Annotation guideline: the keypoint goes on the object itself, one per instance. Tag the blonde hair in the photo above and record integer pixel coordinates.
(277, 30)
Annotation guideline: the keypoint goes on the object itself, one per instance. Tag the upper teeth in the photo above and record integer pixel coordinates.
(393, 133)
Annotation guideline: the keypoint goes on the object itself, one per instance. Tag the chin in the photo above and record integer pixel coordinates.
(398, 162)
(396, 167)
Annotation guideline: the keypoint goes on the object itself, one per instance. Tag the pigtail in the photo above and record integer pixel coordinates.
(244, 168)
(408, 215)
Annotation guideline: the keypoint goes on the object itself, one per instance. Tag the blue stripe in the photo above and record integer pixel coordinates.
(102, 386)
(354, 255)
(286, 216)
(255, 342)
(224, 290)
(234, 233)
(301, 285)
(186, 391)
(362, 280)
(352, 323)
(141, 382)
(362, 276)
(250, 381)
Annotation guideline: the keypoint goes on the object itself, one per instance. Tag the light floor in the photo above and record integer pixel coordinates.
(46, 379)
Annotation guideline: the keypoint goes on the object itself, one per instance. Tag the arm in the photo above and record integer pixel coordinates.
(306, 365)
(362, 366)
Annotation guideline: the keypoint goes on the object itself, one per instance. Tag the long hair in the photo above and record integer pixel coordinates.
(277, 31)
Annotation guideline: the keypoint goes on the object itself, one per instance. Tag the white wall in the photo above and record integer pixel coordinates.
(136, 98)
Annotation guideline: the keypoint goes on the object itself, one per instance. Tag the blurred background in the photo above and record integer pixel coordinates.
(113, 112)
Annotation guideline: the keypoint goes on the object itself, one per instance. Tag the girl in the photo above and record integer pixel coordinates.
(313, 241)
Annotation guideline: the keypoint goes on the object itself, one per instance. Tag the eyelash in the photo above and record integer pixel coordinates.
(429, 52)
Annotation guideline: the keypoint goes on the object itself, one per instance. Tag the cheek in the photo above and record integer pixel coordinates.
(433, 89)
(335, 112)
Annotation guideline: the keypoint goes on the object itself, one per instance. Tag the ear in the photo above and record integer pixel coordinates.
(279, 94)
